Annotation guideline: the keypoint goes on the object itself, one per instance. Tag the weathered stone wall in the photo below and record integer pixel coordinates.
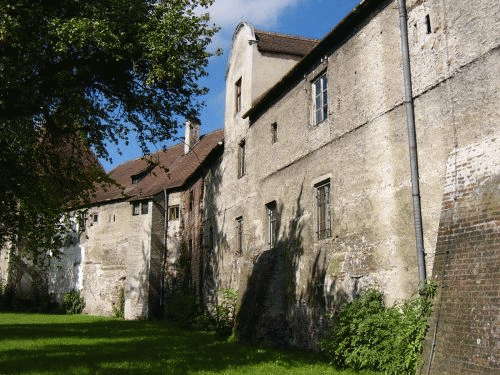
(138, 263)
(362, 149)
(103, 247)
(464, 336)
(4, 265)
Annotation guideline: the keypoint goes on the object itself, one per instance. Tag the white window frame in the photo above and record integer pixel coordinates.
(320, 99)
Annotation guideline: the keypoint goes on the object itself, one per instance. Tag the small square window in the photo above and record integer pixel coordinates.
(274, 132)
(95, 218)
(173, 213)
(320, 96)
(241, 159)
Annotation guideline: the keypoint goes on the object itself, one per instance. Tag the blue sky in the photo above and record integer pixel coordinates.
(308, 18)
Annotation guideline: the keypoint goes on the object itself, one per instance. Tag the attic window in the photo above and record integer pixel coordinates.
(136, 178)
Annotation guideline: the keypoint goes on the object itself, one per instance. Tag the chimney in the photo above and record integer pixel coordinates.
(191, 134)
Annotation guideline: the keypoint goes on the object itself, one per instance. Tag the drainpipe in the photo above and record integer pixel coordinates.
(164, 255)
(412, 140)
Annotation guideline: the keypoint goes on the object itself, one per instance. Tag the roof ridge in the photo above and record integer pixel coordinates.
(291, 36)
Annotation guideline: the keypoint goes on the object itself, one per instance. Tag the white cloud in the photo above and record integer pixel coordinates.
(227, 13)
(261, 13)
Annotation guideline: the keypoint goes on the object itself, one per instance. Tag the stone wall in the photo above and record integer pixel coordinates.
(465, 329)
(362, 150)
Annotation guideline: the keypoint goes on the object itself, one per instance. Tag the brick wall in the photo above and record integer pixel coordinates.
(192, 216)
(467, 266)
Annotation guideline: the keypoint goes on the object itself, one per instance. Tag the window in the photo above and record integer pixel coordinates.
(95, 218)
(140, 208)
(237, 96)
(320, 91)
(323, 210)
(271, 224)
(428, 24)
(173, 212)
(136, 208)
(239, 235)
(136, 178)
(274, 132)
(241, 159)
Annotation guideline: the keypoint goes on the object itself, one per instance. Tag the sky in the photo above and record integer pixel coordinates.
(309, 18)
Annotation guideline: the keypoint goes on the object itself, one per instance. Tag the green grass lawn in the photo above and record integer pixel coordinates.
(78, 344)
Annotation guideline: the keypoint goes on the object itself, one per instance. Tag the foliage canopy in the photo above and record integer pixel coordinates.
(81, 75)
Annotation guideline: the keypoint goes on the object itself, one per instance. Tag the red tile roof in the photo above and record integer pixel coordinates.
(171, 169)
(284, 44)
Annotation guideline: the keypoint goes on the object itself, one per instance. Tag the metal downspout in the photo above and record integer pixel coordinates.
(412, 141)
(164, 255)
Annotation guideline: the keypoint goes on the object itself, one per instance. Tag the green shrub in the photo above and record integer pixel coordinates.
(182, 308)
(221, 319)
(73, 302)
(369, 335)
(119, 311)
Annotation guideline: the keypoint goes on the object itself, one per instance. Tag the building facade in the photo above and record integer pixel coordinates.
(314, 198)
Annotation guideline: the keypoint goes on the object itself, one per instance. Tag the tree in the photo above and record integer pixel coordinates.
(81, 75)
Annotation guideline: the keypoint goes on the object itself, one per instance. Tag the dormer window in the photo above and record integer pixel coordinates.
(136, 178)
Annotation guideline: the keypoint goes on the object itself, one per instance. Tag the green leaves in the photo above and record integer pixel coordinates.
(369, 335)
(97, 71)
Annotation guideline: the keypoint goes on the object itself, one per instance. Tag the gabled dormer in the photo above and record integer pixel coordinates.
(257, 61)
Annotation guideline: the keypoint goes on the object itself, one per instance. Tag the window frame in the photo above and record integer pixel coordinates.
(319, 112)
(323, 207)
(136, 208)
(272, 224)
(173, 209)
(242, 170)
(144, 208)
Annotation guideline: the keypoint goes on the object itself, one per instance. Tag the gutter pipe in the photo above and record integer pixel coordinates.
(164, 255)
(412, 140)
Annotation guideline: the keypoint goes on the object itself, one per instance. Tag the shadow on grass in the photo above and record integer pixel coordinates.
(103, 346)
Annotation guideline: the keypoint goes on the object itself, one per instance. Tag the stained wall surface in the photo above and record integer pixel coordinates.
(361, 149)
